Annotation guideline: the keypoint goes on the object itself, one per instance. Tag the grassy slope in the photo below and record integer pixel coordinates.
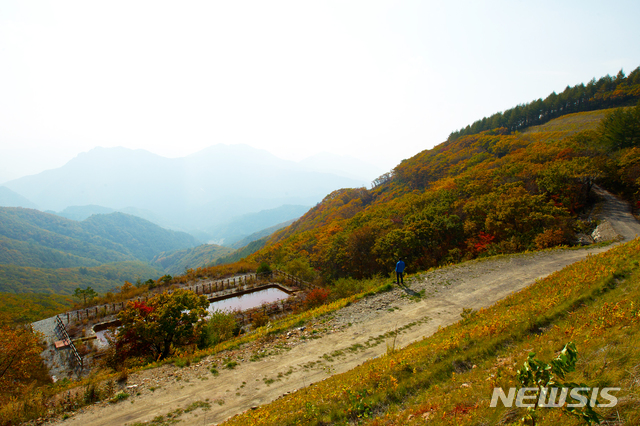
(43, 255)
(24, 308)
(570, 124)
(449, 377)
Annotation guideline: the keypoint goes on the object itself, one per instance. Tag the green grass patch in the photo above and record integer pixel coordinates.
(120, 396)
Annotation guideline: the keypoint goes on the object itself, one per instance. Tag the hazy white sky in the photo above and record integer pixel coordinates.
(377, 80)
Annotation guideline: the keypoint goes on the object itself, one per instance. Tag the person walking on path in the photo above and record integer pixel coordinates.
(399, 271)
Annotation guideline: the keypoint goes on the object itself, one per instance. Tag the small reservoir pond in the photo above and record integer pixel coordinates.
(241, 302)
(249, 300)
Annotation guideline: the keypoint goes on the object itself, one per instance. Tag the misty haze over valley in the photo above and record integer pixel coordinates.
(220, 195)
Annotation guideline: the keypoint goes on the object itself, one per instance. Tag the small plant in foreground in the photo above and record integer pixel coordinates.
(538, 374)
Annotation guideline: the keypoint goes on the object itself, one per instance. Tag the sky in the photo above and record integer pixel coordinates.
(376, 80)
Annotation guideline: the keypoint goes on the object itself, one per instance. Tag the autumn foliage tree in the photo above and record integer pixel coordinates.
(167, 320)
(20, 362)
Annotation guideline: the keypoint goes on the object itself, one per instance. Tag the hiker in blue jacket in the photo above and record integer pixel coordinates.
(399, 271)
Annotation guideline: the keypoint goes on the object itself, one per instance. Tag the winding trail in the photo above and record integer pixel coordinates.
(339, 343)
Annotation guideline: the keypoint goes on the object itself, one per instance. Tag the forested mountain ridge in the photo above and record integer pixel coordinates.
(141, 237)
(44, 230)
(487, 193)
(176, 262)
(42, 252)
(607, 92)
(105, 238)
(63, 281)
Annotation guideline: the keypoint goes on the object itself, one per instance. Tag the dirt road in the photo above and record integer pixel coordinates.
(338, 343)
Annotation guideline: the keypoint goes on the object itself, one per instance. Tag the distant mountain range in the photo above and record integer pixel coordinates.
(260, 234)
(241, 227)
(41, 252)
(204, 193)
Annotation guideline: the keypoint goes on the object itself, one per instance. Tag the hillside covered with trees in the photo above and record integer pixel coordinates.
(42, 255)
(176, 262)
(492, 192)
(607, 92)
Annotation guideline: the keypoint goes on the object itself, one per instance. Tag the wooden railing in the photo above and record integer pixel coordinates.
(206, 288)
(296, 281)
(220, 285)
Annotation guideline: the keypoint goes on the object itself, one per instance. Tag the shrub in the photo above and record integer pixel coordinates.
(259, 319)
(182, 362)
(123, 376)
(549, 238)
(316, 297)
(91, 394)
(264, 268)
(120, 396)
(345, 287)
(220, 326)
(300, 268)
(154, 327)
